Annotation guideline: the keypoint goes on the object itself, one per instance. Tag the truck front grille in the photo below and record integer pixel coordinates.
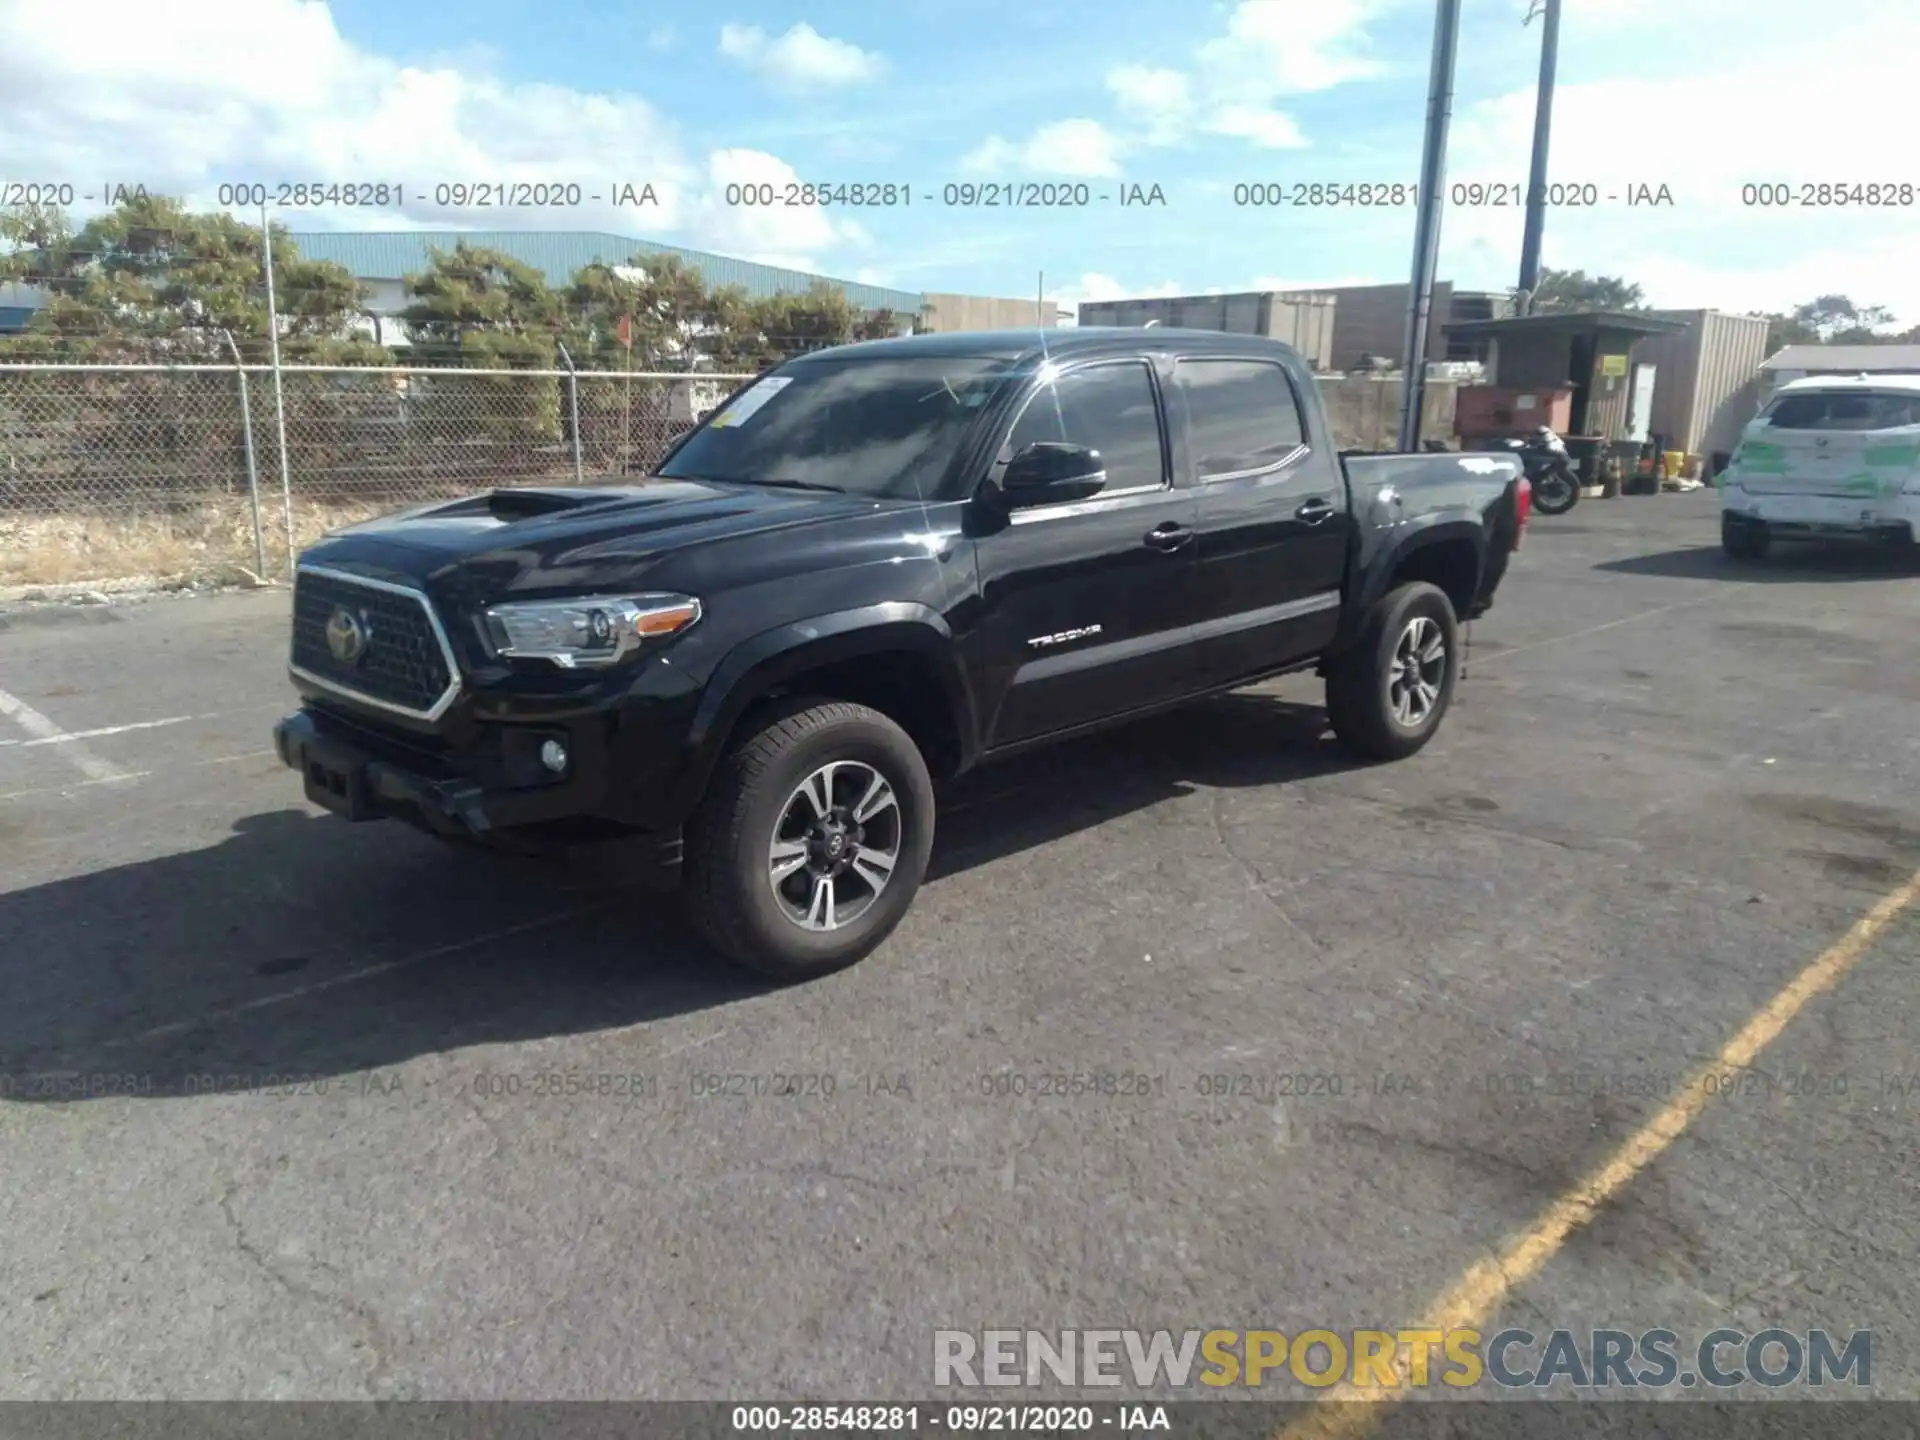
(373, 642)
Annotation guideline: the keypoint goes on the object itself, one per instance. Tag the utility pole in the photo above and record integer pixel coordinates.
(1542, 125)
(1426, 232)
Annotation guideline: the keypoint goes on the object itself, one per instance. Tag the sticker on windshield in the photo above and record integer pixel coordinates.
(744, 409)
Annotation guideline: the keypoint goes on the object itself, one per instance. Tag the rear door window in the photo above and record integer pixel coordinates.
(1242, 415)
(1844, 410)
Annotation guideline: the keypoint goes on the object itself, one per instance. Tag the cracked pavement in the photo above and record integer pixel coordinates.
(297, 1109)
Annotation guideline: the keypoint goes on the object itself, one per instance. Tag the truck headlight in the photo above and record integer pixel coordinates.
(589, 631)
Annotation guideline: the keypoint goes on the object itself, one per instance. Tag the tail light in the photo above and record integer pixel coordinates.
(1522, 508)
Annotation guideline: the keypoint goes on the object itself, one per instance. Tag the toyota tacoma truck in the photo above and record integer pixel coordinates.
(872, 569)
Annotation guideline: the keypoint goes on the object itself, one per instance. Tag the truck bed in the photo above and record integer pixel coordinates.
(1392, 492)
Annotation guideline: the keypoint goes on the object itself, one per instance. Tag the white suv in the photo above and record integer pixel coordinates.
(1829, 457)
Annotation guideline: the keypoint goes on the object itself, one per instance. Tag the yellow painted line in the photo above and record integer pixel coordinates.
(1346, 1412)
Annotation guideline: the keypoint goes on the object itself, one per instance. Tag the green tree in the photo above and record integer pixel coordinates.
(664, 300)
(677, 324)
(1833, 320)
(1562, 290)
(880, 324)
(740, 334)
(152, 281)
(674, 324)
(796, 324)
(477, 307)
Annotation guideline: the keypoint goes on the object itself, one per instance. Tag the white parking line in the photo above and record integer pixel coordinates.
(69, 736)
(1696, 602)
(41, 728)
(67, 790)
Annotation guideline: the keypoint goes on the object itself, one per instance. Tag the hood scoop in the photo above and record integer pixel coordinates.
(524, 504)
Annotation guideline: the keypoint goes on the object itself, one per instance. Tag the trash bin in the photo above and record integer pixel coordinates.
(1589, 454)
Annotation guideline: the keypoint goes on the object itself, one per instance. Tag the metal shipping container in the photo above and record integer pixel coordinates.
(1708, 384)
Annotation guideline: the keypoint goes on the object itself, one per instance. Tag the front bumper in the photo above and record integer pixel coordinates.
(347, 778)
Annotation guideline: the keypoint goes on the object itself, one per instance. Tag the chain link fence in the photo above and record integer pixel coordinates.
(113, 471)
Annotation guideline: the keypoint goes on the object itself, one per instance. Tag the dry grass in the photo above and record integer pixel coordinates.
(210, 544)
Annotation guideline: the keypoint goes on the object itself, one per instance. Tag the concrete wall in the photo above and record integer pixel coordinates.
(1372, 320)
(1307, 323)
(1364, 410)
(946, 313)
(1304, 322)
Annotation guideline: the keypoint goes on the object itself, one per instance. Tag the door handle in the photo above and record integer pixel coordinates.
(1314, 511)
(1168, 536)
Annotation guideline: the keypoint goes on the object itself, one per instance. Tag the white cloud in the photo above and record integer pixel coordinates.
(1264, 127)
(772, 235)
(186, 98)
(1873, 272)
(1067, 147)
(1162, 100)
(1272, 50)
(859, 148)
(1703, 136)
(802, 58)
(1269, 51)
(1093, 286)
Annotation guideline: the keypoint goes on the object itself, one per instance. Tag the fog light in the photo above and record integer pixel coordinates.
(553, 755)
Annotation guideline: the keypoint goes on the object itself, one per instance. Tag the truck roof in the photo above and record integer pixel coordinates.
(1041, 342)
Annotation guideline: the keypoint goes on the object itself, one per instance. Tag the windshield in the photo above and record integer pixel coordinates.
(868, 426)
(1845, 410)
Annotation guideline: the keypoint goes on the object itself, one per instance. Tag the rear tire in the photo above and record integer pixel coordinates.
(1556, 492)
(780, 887)
(1745, 542)
(1389, 691)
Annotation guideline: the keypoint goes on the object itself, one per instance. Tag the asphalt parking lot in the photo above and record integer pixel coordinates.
(480, 1160)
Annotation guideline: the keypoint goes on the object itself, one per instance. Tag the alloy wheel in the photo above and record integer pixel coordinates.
(1418, 669)
(835, 845)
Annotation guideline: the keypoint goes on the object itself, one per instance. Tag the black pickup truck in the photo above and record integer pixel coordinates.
(873, 568)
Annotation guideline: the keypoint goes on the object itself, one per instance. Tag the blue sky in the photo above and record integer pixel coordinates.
(1195, 98)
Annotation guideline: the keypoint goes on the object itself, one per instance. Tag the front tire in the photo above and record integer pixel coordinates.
(812, 840)
(1388, 692)
(1556, 492)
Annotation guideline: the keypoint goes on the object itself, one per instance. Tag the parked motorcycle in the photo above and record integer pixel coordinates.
(1549, 468)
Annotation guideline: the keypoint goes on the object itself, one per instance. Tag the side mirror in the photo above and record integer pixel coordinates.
(1050, 473)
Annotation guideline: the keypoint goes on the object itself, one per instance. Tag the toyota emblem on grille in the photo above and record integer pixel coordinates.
(347, 635)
